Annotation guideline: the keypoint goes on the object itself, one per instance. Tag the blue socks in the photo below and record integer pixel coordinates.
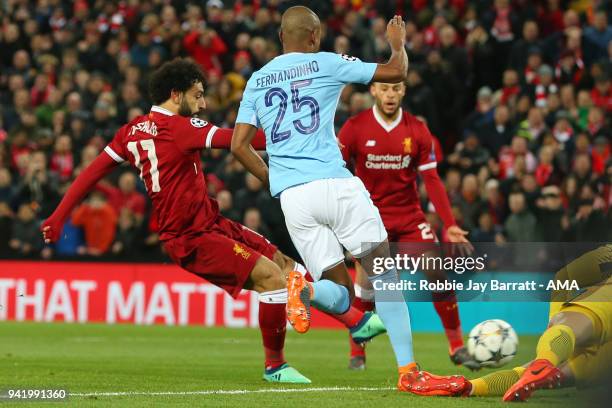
(330, 297)
(393, 310)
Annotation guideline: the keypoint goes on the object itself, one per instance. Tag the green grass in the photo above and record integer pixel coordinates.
(122, 358)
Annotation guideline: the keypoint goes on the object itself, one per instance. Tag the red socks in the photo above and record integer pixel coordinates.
(350, 318)
(363, 306)
(273, 326)
(446, 306)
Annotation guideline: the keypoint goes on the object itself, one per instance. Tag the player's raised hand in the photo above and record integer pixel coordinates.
(396, 33)
(458, 236)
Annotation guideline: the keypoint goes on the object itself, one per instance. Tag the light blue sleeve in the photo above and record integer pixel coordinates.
(349, 70)
(247, 112)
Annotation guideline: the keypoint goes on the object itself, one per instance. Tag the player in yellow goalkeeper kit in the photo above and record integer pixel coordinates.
(576, 349)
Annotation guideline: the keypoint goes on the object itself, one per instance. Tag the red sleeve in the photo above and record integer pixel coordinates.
(426, 164)
(426, 148)
(437, 195)
(98, 169)
(191, 134)
(222, 139)
(116, 148)
(346, 137)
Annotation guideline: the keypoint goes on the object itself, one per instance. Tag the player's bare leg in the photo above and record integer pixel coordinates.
(362, 326)
(268, 280)
(567, 330)
(445, 303)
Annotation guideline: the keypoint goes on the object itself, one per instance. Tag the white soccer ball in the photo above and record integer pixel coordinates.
(493, 343)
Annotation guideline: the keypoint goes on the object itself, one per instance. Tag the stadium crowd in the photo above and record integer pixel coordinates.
(518, 93)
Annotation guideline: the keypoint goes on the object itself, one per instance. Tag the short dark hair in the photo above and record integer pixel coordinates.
(177, 75)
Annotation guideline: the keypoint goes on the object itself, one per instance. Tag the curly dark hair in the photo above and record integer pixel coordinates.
(177, 75)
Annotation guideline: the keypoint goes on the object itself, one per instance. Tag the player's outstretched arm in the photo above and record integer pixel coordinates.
(396, 69)
(100, 167)
(222, 139)
(243, 151)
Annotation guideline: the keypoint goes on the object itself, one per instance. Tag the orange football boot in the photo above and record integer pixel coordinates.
(298, 301)
(427, 384)
(538, 375)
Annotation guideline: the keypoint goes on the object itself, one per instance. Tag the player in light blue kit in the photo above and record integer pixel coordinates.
(293, 98)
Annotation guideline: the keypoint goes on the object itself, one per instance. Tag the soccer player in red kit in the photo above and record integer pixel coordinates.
(164, 145)
(388, 147)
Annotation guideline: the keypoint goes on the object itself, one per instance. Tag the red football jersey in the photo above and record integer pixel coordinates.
(386, 158)
(166, 149)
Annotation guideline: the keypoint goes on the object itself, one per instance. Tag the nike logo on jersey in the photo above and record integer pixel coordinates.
(371, 143)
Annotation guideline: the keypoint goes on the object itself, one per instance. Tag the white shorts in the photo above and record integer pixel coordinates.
(324, 215)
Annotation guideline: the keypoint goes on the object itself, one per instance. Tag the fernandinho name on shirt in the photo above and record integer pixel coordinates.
(288, 74)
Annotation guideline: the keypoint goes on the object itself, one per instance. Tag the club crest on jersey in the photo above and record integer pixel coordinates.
(240, 251)
(407, 145)
(197, 122)
(348, 57)
(371, 143)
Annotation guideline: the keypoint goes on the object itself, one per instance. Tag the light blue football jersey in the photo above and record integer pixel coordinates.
(293, 98)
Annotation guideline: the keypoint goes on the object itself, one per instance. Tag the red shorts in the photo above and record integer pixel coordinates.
(411, 233)
(224, 255)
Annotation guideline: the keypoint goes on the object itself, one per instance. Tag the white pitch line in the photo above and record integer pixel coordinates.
(227, 392)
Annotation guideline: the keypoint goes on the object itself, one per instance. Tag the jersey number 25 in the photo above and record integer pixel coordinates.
(297, 103)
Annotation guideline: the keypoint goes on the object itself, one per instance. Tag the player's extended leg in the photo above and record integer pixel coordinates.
(362, 326)
(573, 327)
(268, 280)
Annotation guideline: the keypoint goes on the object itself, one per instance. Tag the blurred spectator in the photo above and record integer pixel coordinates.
(6, 227)
(205, 46)
(470, 202)
(6, 188)
(602, 92)
(550, 214)
(486, 230)
(252, 219)
(62, 160)
(521, 48)
(599, 35)
(521, 225)
(249, 196)
(469, 155)
(589, 224)
(225, 201)
(496, 134)
(125, 197)
(37, 187)
(125, 239)
(99, 221)
(25, 237)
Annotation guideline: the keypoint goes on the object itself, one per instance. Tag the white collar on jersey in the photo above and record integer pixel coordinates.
(161, 110)
(387, 126)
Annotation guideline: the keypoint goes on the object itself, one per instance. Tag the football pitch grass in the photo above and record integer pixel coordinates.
(124, 365)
